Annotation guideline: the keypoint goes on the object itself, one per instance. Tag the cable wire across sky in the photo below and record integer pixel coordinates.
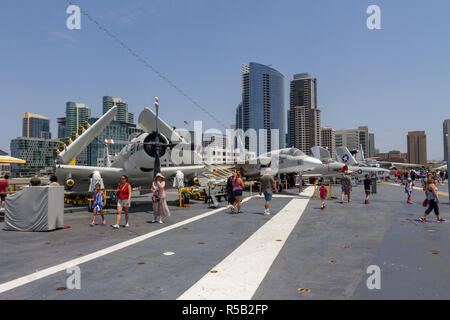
(147, 64)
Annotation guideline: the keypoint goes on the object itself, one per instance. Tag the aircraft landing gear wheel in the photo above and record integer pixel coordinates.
(185, 198)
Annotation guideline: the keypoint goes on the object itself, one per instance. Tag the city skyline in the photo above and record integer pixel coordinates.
(367, 78)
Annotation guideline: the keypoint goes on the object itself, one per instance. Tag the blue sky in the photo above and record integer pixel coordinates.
(393, 80)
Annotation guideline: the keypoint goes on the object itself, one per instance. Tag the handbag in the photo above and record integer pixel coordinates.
(425, 203)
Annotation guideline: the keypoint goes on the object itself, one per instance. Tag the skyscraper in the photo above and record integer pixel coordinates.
(328, 140)
(76, 115)
(371, 145)
(304, 116)
(35, 126)
(363, 132)
(446, 138)
(122, 109)
(238, 123)
(262, 106)
(417, 147)
(61, 127)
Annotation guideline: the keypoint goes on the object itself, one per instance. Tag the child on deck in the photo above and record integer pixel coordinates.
(323, 194)
(408, 189)
(98, 204)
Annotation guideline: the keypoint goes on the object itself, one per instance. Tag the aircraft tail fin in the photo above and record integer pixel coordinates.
(344, 156)
(361, 151)
(321, 153)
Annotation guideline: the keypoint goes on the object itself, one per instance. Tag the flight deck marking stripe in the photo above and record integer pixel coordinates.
(239, 275)
(75, 262)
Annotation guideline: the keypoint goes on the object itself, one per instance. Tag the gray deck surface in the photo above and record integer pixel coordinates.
(354, 235)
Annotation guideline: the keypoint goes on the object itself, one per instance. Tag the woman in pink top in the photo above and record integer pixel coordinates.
(160, 208)
(238, 186)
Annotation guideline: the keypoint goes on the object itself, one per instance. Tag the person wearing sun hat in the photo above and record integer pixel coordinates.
(160, 208)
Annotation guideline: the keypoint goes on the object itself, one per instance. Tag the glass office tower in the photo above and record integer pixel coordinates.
(262, 106)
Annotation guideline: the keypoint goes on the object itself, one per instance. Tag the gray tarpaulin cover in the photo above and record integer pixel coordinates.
(35, 209)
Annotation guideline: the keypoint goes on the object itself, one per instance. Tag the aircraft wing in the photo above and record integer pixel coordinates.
(187, 170)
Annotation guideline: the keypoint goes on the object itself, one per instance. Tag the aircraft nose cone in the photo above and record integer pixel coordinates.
(312, 162)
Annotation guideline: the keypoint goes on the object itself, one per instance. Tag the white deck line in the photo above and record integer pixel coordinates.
(75, 262)
(239, 275)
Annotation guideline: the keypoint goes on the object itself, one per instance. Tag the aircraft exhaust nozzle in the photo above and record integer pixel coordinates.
(77, 146)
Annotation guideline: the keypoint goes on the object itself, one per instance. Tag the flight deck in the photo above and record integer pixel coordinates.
(298, 252)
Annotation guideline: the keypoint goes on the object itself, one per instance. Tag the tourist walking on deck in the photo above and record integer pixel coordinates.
(266, 185)
(238, 186)
(346, 185)
(3, 190)
(408, 189)
(98, 204)
(300, 181)
(367, 183)
(413, 176)
(432, 197)
(123, 201)
(323, 194)
(160, 208)
(230, 196)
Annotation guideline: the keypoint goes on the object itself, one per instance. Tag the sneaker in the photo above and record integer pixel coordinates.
(267, 213)
(440, 220)
(127, 225)
(153, 221)
(92, 224)
(409, 202)
(115, 226)
(160, 222)
(103, 222)
(423, 219)
(232, 209)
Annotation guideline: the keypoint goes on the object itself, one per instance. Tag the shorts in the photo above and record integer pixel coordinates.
(122, 203)
(2, 197)
(346, 191)
(237, 193)
(408, 192)
(268, 196)
(98, 208)
(367, 192)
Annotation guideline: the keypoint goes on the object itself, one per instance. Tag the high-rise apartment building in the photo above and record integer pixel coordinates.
(446, 132)
(328, 140)
(262, 107)
(304, 115)
(354, 138)
(35, 126)
(122, 109)
(347, 138)
(417, 147)
(76, 115)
